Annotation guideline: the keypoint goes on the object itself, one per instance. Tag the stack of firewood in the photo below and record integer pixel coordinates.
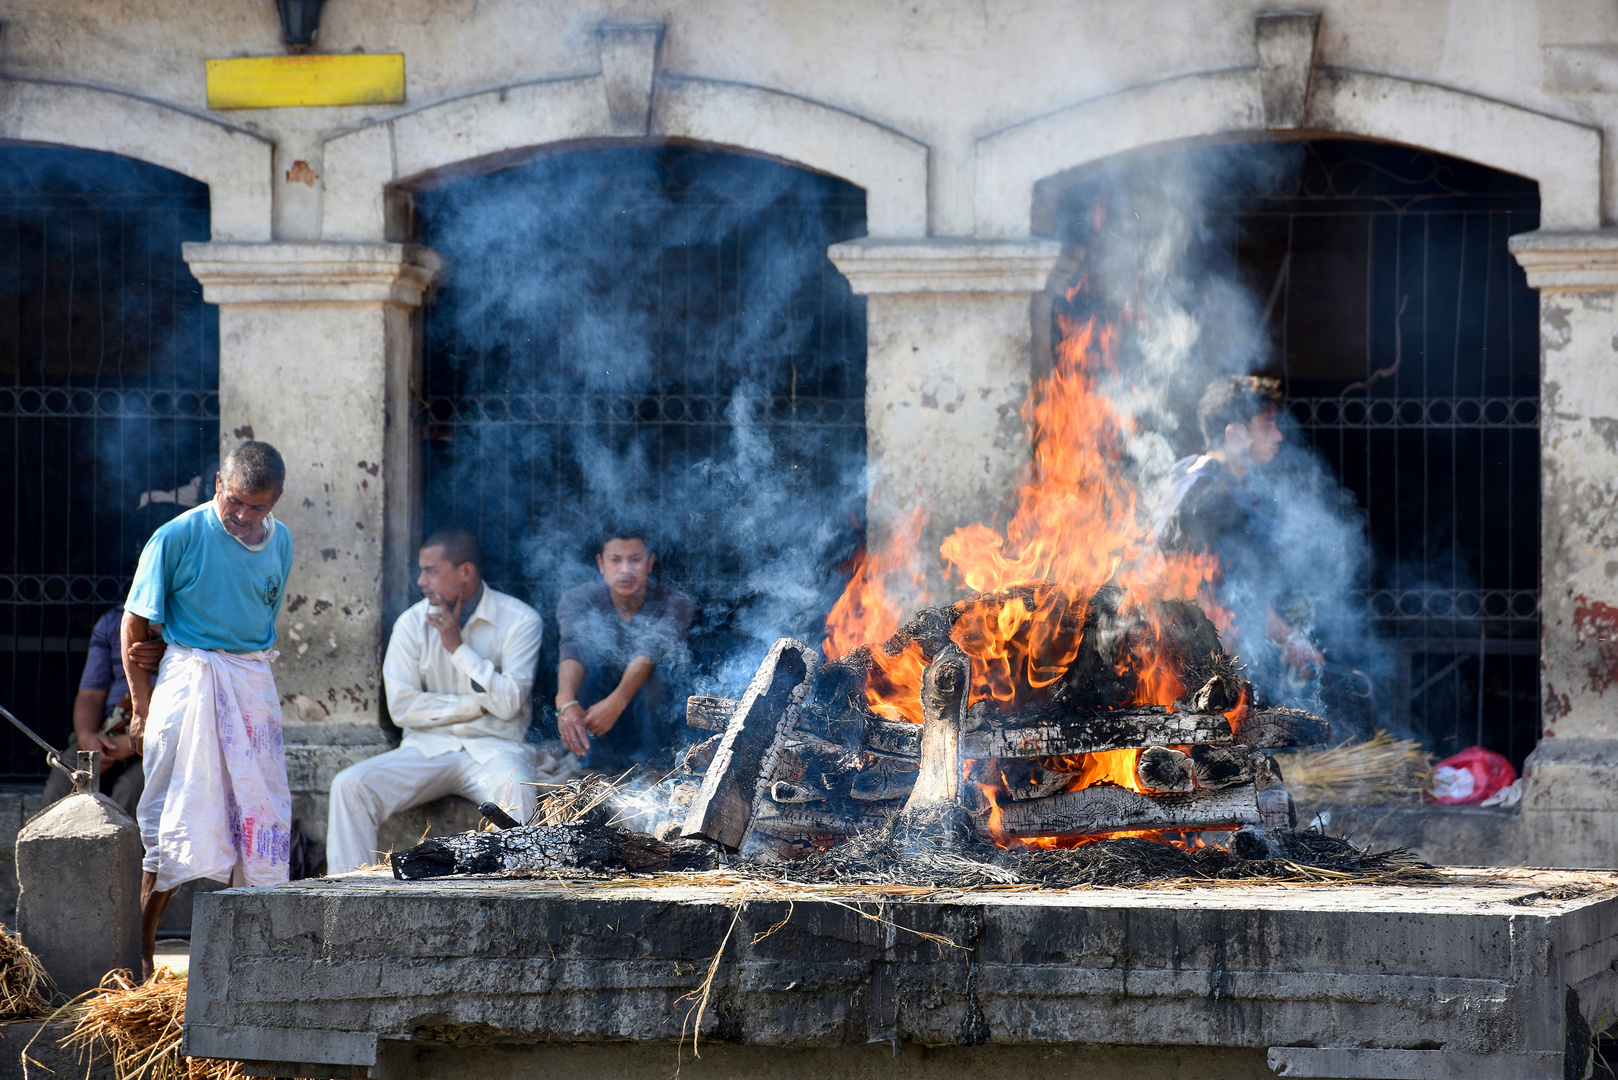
(800, 763)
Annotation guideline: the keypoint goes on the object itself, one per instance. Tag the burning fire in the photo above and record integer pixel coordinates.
(1077, 527)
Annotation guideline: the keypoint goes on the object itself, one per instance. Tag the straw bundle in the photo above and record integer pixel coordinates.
(1378, 769)
(139, 1025)
(574, 799)
(24, 985)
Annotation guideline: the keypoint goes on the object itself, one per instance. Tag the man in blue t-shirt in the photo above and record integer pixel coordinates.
(216, 803)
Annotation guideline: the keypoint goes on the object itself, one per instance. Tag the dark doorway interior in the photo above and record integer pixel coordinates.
(653, 333)
(1406, 338)
(109, 379)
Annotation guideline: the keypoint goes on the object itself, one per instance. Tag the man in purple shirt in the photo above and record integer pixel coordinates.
(103, 692)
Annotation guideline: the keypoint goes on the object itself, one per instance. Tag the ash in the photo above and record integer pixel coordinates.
(887, 857)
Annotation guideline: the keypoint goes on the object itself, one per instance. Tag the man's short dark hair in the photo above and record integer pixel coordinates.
(624, 530)
(253, 467)
(1235, 399)
(459, 546)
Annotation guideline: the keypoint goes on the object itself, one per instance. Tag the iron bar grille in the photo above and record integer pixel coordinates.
(1407, 339)
(109, 407)
(619, 329)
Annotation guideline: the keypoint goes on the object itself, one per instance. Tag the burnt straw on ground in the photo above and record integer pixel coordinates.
(880, 858)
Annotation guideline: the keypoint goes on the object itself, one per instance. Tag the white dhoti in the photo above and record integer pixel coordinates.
(216, 803)
(366, 794)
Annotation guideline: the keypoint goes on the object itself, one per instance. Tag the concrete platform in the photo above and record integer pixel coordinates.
(363, 975)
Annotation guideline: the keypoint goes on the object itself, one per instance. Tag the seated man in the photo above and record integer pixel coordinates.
(101, 709)
(622, 645)
(458, 673)
(1219, 510)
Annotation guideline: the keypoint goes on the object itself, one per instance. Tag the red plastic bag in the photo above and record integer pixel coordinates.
(1470, 776)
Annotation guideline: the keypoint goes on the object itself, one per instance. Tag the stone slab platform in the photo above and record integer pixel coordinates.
(363, 975)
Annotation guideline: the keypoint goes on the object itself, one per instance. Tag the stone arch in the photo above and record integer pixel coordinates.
(235, 164)
(1563, 157)
(494, 127)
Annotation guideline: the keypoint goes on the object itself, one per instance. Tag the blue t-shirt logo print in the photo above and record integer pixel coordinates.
(272, 589)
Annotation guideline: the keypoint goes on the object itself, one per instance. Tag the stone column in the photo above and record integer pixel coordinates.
(318, 355)
(1570, 803)
(949, 325)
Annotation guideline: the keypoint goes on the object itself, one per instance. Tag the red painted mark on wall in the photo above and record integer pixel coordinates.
(301, 173)
(372, 467)
(243, 432)
(1596, 624)
(1556, 707)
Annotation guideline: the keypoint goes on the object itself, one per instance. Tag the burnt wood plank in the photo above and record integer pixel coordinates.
(709, 713)
(544, 849)
(893, 737)
(1104, 808)
(943, 708)
(1277, 727)
(723, 807)
(1109, 729)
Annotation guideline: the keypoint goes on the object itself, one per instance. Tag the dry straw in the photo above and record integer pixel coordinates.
(1378, 769)
(24, 986)
(139, 1025)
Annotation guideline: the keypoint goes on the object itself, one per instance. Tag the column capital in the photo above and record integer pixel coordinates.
(312, 273)
(1586, 259)
(945, 265)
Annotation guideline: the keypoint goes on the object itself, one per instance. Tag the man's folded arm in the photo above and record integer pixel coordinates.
(505, 692)
(408, 704)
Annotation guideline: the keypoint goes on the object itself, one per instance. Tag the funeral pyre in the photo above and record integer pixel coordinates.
(1079, 692)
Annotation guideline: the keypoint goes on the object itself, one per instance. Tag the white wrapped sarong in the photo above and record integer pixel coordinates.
(216, 803)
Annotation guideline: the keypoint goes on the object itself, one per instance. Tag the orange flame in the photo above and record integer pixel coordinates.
(866, 612)
(1078, 525)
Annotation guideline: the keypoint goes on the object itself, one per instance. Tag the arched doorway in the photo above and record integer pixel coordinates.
(109, 378)
(651, 332)
(1406, 339)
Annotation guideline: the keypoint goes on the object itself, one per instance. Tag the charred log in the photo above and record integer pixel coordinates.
(943, 708)
(546, 849)
(700, 755)
(709, 713)
(1087, 733)
(1162, 769)
(1216, 767)
(883, 779)
(1279, 727)
(722, 809)
(1028, 778)
(1220, 693)
(1104, 808)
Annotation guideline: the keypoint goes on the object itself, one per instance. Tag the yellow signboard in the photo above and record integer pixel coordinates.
(278, 82)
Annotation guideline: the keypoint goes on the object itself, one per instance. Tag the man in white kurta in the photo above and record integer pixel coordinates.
(459, 673)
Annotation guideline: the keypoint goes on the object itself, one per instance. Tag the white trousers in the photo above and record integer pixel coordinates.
(365, 795)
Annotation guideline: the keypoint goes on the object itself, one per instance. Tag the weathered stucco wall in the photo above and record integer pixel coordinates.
(958, 119)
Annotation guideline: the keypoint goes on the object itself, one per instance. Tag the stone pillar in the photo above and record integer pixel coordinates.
(78, 908)
(1570, 803)
(949, 325)
(319, 355)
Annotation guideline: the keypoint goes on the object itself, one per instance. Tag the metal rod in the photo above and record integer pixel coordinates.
(52, 755)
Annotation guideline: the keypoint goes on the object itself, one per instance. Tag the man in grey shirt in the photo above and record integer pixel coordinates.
(622, 650)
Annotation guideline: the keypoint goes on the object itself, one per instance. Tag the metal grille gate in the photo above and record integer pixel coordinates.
(619, 325)
(109, 378)
(1408, 340)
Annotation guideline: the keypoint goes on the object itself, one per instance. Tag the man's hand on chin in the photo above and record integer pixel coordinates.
(448, 624)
